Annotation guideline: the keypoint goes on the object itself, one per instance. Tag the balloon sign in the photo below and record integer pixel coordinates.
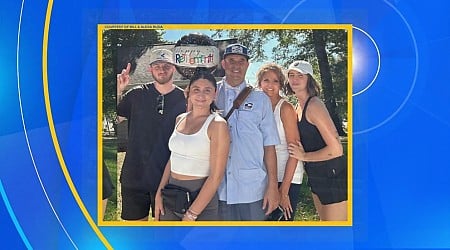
(194, 51)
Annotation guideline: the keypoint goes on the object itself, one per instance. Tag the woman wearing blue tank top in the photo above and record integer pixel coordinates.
(319, 146)
(271, 79)
(199, 148)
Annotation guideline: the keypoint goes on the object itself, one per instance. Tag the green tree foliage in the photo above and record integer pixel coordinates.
(325, 74)
(325, 49)
(121, 46)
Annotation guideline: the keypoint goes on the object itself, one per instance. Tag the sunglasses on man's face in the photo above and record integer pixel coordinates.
(160, 104)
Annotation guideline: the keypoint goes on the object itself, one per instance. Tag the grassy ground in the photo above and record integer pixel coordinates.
(305, 208)
(110, 157)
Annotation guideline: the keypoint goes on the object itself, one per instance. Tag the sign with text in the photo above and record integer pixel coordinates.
(196, 56)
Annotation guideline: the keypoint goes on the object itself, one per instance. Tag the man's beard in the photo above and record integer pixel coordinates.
(163, 79)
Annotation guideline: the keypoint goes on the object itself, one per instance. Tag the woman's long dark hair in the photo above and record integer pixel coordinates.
(203, 73)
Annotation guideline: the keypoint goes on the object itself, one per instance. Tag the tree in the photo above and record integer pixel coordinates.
(325, 49)
(121, 46)
(325, 74)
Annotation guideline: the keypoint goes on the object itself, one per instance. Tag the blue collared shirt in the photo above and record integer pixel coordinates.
(251, 127)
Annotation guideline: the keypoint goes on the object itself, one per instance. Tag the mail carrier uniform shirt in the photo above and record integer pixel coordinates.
(251, 127)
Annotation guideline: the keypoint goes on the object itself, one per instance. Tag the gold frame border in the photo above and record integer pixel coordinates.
(348, 27)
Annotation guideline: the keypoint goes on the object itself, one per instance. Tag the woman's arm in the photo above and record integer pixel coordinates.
(159, 207)
(271, 198)
(219, 148)
(289, 119)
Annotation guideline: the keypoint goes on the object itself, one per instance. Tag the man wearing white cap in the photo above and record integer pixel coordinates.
(249, 189)
(151, 110)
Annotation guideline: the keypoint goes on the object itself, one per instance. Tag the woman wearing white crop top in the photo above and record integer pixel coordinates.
(199, 148)
(290, 171)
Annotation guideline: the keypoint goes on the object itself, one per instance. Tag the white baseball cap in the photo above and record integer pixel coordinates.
(163, 55)
(303, 67)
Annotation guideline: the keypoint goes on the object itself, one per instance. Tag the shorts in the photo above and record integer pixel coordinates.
(136, 203)
(328, 179)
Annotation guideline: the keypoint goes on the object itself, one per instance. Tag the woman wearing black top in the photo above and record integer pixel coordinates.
(319, 146)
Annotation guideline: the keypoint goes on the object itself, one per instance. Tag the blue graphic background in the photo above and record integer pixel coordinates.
(401, 124)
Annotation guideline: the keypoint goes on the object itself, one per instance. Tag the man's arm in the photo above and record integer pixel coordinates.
(123, 79)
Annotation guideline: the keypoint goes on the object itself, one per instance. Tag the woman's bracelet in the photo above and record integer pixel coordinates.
(193, 212)
(190, 215)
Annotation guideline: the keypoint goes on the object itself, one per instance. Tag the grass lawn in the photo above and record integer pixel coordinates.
(305, 207)
(110, 157)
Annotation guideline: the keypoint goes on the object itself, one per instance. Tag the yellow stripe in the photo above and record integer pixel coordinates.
(100, 129)
(53, 132)
(347, 27)
(151, 223)
(350, 125)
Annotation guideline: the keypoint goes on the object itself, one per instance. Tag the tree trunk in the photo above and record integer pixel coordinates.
(325, 76)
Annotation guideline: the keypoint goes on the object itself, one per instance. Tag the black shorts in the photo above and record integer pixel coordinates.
(136, 203)
(328, 179)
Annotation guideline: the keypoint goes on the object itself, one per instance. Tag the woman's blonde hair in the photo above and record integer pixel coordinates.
(271, 67)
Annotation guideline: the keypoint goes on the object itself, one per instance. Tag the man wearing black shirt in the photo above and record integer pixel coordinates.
(151, 110)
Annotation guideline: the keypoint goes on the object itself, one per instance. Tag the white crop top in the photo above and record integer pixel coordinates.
(190, 153)
(282, 150)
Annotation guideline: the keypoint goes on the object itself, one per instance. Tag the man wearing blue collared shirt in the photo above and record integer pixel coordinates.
(249, 189)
